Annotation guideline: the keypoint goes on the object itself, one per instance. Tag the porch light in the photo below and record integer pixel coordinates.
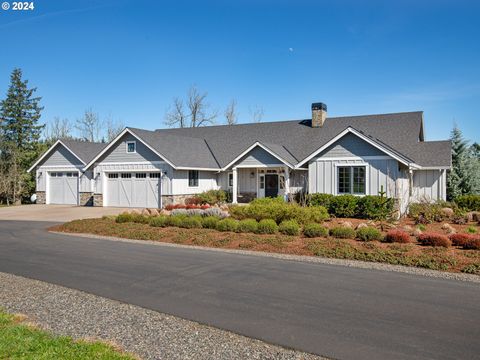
(252, 174)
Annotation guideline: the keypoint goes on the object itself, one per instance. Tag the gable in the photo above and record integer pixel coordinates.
(60, 156)
(118, 152)
(350, 145)
(258, 157)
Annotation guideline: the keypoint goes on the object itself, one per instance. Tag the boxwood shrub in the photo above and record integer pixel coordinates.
(343, 232)
(210, 222)
(176, 220)
(344, 206)
(227, 224)
(159, 221)
(123, 218)
(267, 226)
(315, 230)
(320, 200)
(191, 222)
(369, 234)
(289, 227)
(247, 226)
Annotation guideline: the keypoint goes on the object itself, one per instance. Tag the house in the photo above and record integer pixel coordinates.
(361, 155)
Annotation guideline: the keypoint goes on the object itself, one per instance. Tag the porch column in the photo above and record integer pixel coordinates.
(234, 186)
(287, 181)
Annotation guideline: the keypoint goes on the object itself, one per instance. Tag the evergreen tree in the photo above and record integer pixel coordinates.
(464, 175)
(20, 134)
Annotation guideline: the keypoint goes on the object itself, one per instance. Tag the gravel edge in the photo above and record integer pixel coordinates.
(302, 258)
(136, 330)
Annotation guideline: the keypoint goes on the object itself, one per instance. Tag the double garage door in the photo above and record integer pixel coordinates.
(139, 190)
(63, 188)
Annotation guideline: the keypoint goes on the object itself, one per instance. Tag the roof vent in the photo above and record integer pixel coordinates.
(319, 114)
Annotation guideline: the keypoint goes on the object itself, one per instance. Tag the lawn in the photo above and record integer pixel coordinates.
(451, 259)
(20, 340)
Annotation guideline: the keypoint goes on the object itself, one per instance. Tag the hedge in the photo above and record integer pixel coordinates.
(315, 230)
(267, 226)
(468, 202)
(247, 226)
(369, 234)
(343, 232)
(289, 227)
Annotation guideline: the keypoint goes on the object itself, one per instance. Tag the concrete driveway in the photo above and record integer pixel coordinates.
(55, 213)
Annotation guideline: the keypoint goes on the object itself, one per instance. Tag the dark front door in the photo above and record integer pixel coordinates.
(271, 185)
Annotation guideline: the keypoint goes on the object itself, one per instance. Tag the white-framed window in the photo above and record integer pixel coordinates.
(126, 175)
(140, 175)
(113, 176)
(230, 179)
(156, 175)
(352, 180)
(261, 182)
(193, 178)
(131, 146)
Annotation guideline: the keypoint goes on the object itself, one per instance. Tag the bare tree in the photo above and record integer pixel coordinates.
(58, 129)
(89, 126)
(231, 113)
(257, 113)
(196, 114)
(113, 128)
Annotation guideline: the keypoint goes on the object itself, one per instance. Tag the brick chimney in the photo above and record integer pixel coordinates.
(319, 114)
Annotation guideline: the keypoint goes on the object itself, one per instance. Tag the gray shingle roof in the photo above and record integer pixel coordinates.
(85, 150)
(295, 140)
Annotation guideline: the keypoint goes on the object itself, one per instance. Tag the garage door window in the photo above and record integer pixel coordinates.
(141, 175)
(113, 176)
(155, 175)
(53, 174)
(126, 175)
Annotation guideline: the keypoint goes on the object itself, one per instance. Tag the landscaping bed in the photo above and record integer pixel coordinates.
(22, 340)
(450, 258)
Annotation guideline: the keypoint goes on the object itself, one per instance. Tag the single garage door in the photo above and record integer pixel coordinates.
(63, 188)
(140, 190)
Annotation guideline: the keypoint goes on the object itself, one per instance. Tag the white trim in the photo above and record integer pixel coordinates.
(132, 163)
(433, 168)
(108, 171)
(355, 158)
(261, 166)
(250, 149)
(71, 167)
(49, 150)
(134, 147)
(361, 136)
(119, 136)
(367, 178)
(197, 168)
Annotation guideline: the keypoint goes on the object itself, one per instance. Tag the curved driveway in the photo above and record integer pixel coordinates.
(339, 312)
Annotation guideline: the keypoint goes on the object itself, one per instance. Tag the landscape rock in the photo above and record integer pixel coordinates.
(145, 212)
(136, 212)
(165, 212)
(447, 212)
(361, 225)
(473, 216)
(346, 224)
(417, 232)
(153, 212)
(448, 228)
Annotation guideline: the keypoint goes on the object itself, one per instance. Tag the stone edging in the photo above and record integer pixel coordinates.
(303, 258)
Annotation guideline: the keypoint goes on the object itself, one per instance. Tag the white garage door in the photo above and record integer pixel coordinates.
(63, 188)
(140, 190)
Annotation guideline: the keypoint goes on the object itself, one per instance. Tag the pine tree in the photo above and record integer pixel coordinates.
(20, 134)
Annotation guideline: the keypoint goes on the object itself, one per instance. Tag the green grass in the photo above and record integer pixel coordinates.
(20, 341)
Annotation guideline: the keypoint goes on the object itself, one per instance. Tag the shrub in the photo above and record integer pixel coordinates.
(176, 220)
(227, 225)
(289, 227)
(434, 239)
(179, 211)
(343, 232)
(194, 200)
(369, 234)
(397, 236)
(425, 212)
(320, 200)
(305, 215)
(159, 221)
(267, 226)
(124, 217)
(214, 211)
(461, 239)
(344, 206)
(212, 197)
(468, 202)
(374, 207)
(191, 222)
(247, 226)
(474, 244)
(210, 222)
(472, 230)
(315, 230)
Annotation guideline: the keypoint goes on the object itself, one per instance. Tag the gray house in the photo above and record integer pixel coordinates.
(360, 155)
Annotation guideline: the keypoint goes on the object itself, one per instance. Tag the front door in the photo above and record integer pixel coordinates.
(271, 185)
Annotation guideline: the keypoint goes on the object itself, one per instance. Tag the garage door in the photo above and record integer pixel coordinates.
(63, 188)
(140, 190)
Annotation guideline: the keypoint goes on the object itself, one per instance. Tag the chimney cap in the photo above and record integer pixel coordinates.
(319, 106)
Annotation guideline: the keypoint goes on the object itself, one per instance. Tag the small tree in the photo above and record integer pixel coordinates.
(58, 129)
(113, 128)
(89, 126)
(231, 113)
(196, 113)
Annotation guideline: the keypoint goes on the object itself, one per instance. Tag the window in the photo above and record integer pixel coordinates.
(75, 174)
(192, 177)
(230, 179)
(262, 182)
(141, 175)
(351, 179)
(131, 147)
(113, 176)
(53, 174)
(125, 175)
(59, 174)
(155, 175)
(69, 174)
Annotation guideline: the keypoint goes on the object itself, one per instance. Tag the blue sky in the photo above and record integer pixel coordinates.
(128, 59)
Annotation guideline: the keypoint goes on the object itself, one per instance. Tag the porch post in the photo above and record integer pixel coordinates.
(234, 186)
(287, 181)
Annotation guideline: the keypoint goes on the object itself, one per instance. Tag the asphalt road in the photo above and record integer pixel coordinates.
(335, 311)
